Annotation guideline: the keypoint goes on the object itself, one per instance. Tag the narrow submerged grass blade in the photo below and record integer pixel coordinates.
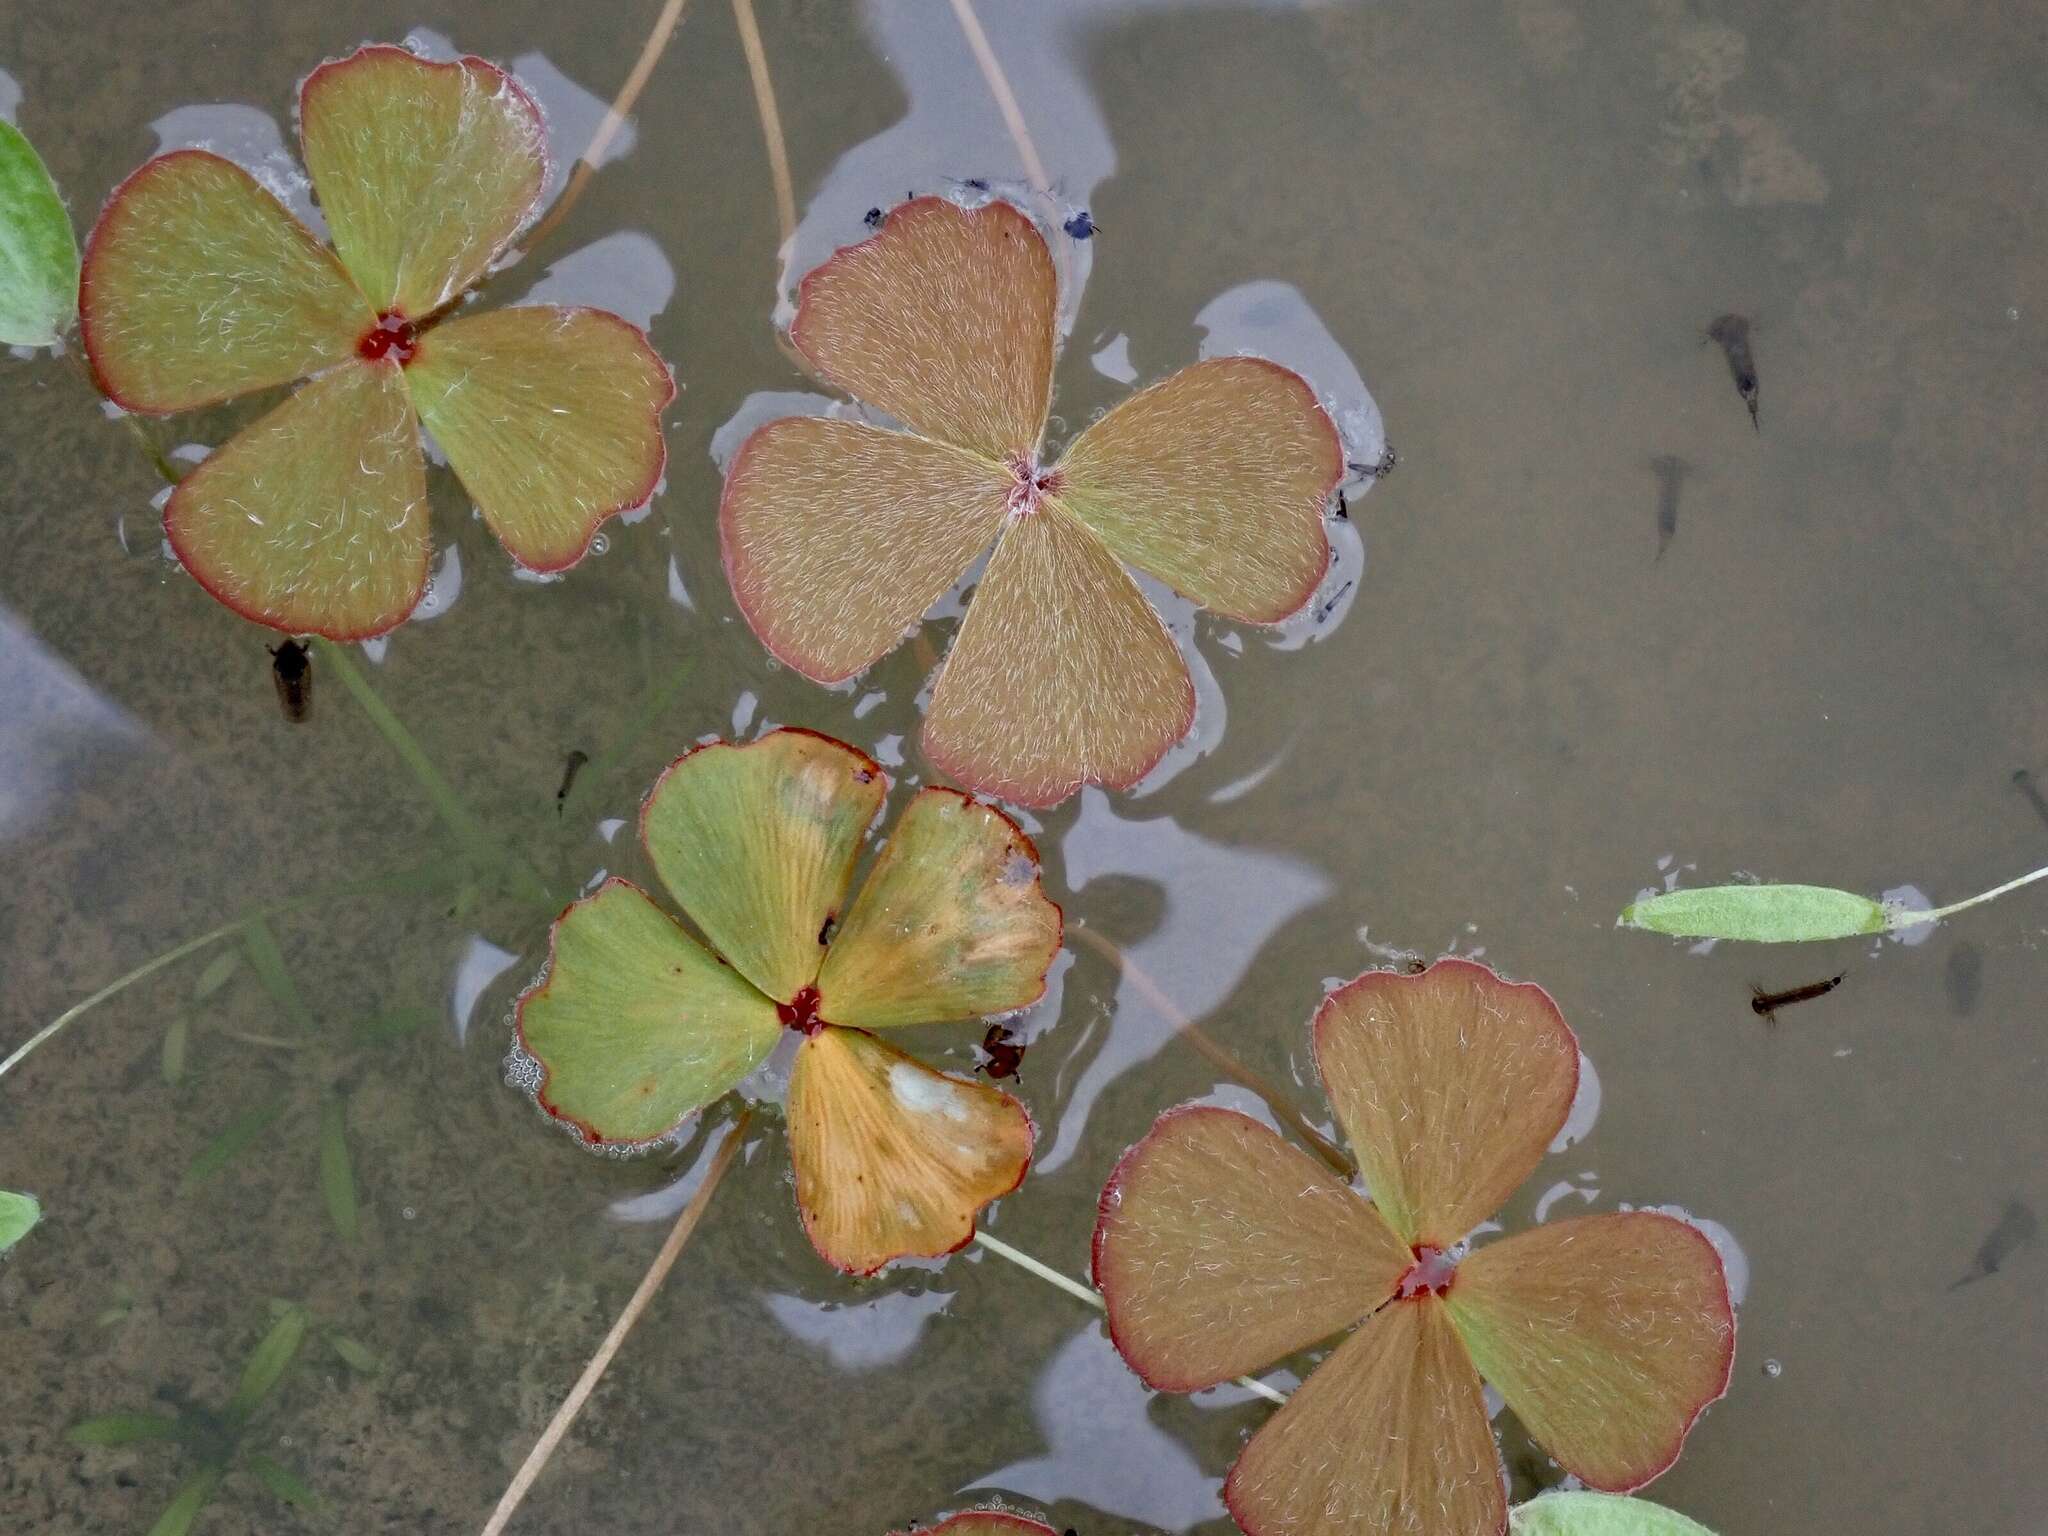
(237, 1138)
(268, 1362)
(18, 1213)
(281, 1482)
(123, 1429)
(356, 1356)
(259, 943)
(393, 1024)
(593, 778)
(175, 1040)
(337, 1180)
(216, 975)
(186, 1503)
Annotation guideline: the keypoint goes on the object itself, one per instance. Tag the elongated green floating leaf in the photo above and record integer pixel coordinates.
(282, 1482)
(17, 1214)
(337, 1179)
(123, 1429)
(38, 251)
(216, 1154)
(1761, 914)
(1599, 1514)
(268, 1362)
(185, 1505)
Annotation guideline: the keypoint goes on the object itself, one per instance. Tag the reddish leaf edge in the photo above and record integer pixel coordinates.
(584, 1131)
(736, 576)
(1111, 1197)
(1385, 980)
(1022, 1524)
(1333, 476)
(930, 199)
(1727, 1318)
(649, 483)
(92, 344)
(340, 636)
(505, 78)
(1251, 1527)
(973, 1219)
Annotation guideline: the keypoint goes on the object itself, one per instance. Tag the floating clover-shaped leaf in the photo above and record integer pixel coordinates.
(986, 1522)
(18, 1216)
(199, 286)
(637, 1025)
(1220, 1249)
(1599, 1514)
(839, 535)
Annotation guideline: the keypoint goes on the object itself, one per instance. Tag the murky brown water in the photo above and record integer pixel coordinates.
(1515, 221)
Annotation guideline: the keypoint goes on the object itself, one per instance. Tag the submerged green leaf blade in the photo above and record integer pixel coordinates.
(1759, 914)
(337, 1179)
(634, 1025)
(186, 1503)
(122, 1429)
(216, 975)
(1599, 1514)
(217, 1153)
(38, 251)
(268, 1362)
(18, 1213)
(282, 1482)
(176, 1037)
(259, 942)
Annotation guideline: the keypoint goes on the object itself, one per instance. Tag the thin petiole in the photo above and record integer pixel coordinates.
(1080, 1292)
(1914, 919)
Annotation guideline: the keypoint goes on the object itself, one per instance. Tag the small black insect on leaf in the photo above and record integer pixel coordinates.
(1081, 227)
(291, 669)
(1004, 1051)
(872, 218)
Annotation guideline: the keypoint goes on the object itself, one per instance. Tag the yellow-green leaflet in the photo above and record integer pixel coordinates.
(1762, 914)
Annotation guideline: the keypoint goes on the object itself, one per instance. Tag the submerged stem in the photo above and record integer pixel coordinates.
(1276, 1098)
(462, 821)
(771, 120)
(1914, 919)
(664, 1261)
(999, 87)
(614, 119)
(1090, 1295)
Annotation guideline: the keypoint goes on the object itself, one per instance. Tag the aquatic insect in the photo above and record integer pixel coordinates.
(1329, 604)
(2016, 1228)
(1004, 1051)
(2023, 781)
(1768, 1003)
(1343, 512)
(1379, 468)
(1732, 332)
(1670, 472)
(872, 218)
(570, 768)
(975, 184)
(1080, 226)
(291, 668)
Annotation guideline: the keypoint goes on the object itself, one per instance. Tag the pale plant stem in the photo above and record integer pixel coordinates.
(121, 984)
(1276, 1098)
(579, 1394)
(1914, 919)
(771, 119)
(999, 87)
(1092, 1297)
(614, 119)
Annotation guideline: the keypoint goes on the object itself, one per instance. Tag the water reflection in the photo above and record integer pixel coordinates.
(1221, 905)
(859, 1336)
(53, 716)
(1101, 1447)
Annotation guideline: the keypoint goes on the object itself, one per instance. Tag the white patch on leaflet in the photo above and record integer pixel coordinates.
(924, 1094)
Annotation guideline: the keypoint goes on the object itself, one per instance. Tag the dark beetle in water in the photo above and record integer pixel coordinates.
(1004, 1050)
(291, 668)
(1732, 332)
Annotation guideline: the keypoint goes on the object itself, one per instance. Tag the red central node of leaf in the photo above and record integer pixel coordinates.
(392, 336)
(800, 1013)
(1028, 484)
(1431, 1273)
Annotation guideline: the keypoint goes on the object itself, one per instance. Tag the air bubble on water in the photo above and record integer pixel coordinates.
(522, 1071)
(599, 544)
(408, 1213)
(1773, 1369)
